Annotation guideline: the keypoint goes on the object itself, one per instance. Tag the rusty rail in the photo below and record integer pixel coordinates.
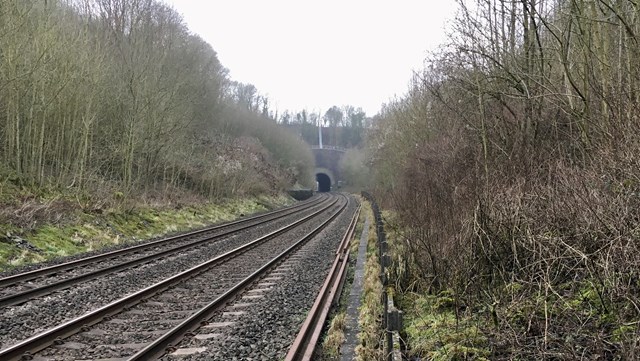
(304, 345)
(160, 347)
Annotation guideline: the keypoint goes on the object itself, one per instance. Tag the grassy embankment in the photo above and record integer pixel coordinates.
(39, 224)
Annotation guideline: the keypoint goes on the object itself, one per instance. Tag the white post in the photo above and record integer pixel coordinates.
(319, 131)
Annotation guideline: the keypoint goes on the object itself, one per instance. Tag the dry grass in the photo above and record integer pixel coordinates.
(371, 336)
(335, 338)
(549, 261)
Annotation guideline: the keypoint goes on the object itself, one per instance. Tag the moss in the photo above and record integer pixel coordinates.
(93, 232)
(7, 253)
(436, 332)
(445, 301)
(624, 332)
(147, 223)
(8, 229)
(513, 287)
(18, 257)
(55, 242)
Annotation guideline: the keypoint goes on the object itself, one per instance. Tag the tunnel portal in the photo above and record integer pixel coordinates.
(324, 182)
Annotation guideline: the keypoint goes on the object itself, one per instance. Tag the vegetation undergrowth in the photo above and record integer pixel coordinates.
(435, 326)
(56, 226)
(334, 338)
(509, 319)
(512, 167)
(437, 331)
(566, 321)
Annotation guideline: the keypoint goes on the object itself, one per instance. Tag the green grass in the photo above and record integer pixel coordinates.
(436, 332)
(92, 232)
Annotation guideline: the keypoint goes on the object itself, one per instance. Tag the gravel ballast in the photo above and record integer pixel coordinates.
(259, 326)
(22, 321)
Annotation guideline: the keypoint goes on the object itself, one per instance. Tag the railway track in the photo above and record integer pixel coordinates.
(21, 287)
(17, 322)
(303, 348)
(148, 322)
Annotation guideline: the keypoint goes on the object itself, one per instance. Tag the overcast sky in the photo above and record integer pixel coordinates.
(312, 55)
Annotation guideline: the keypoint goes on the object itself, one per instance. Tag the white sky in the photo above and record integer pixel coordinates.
(314, 54)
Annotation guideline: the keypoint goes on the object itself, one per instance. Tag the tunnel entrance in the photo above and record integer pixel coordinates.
(324, 182)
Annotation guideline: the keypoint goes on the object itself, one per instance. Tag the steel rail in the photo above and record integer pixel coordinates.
(24, 296)
(305, 342)
(44, 339)
(345, 254)
(26, 276)
(27, 295)
(167, 341)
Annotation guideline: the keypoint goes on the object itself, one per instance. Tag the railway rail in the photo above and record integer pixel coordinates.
(304, 345)
(22, 287)
(154, 316)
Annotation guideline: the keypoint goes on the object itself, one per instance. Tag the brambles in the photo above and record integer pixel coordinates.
(512, 167)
